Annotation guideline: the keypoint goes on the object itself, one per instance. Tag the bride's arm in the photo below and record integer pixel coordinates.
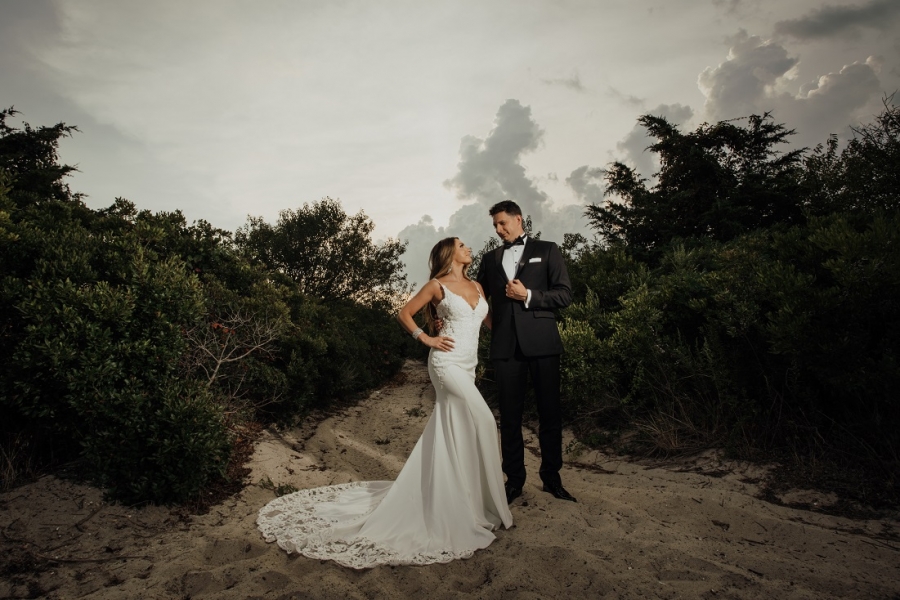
(429, 292)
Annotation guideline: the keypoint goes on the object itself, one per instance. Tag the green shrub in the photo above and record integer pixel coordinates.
(589, 377)
(97, 362)
(132, 341)
(162, 448)
(362, 346)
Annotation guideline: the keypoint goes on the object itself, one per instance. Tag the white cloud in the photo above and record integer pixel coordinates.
(587, 183)
(730, 6)
(759, 76)
(490, 170)
(746, 80)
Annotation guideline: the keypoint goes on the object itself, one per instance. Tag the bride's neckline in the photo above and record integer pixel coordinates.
(464, 299)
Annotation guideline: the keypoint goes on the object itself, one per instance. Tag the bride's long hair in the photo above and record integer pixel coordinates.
(440, 261)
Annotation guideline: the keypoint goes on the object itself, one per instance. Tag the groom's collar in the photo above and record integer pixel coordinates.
(519, 241)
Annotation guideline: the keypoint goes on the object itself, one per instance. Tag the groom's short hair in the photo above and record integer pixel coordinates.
(507, 206)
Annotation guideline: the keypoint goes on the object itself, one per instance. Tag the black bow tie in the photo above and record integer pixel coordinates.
(519, 241)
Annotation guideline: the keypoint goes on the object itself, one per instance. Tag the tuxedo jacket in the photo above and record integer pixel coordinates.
(542, 270)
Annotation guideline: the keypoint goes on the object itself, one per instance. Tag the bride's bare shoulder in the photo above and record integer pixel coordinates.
(432, 288)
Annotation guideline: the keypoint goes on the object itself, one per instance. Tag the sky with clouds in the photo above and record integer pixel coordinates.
(422, 114)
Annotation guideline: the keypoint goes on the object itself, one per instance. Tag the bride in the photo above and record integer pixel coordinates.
(449, 496)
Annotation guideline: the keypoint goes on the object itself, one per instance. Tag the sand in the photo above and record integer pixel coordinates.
(680, 529)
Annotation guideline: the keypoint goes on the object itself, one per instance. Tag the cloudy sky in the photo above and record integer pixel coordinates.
(421, 113)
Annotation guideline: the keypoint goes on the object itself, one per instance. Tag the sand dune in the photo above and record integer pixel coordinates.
(684, 530)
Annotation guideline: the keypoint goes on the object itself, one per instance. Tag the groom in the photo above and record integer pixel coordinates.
(526, 279)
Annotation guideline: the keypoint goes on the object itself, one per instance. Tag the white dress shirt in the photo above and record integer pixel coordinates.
(510, 261)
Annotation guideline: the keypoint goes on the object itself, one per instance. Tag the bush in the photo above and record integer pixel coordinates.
(96, 365)
(134, 342)
(340, 349)
(164, 448)
(755, 343)
(327, 254)
(749, 297)
(642, 368)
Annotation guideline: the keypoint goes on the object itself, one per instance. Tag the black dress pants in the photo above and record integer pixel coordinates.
(511, 377)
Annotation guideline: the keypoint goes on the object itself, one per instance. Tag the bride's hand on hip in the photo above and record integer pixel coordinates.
(440, 342)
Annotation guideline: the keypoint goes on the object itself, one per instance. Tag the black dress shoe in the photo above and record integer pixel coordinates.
(512, 492)
(557, 490)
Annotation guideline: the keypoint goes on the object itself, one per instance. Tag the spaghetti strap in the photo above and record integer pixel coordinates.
(443, 288)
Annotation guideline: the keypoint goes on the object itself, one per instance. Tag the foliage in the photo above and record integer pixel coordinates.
(281, 489)
(714, 313)
(741, 343)
(362, 347)
(29, 158)
(137, 343)
(715, 183)
(863, 177)
(94, 361)
(328, 254)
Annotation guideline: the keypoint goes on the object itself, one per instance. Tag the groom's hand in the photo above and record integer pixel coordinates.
(515, 289)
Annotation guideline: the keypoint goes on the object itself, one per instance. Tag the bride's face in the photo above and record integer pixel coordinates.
(463, 253)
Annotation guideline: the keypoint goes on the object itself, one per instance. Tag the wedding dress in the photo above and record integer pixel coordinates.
(447, 499)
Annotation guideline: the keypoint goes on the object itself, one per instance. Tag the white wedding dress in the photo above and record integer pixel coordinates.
(447, 499)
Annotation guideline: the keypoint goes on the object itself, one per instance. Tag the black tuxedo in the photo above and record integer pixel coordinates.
(542, 270)
(526, 340)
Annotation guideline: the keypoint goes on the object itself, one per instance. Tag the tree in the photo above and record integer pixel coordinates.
(92, 322)
(29, 157)
(328, 254)
(718, 182)
(749, 298)
(138, 344)
(864, 177)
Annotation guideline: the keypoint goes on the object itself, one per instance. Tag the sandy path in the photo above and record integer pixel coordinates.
(638, 531)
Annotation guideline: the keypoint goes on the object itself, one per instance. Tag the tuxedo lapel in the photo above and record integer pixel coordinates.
(498, 259)
(530, 247)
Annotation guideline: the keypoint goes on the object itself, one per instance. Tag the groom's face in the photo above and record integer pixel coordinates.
(508, 226)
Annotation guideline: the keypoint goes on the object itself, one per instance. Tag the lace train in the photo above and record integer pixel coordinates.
(292, 521)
